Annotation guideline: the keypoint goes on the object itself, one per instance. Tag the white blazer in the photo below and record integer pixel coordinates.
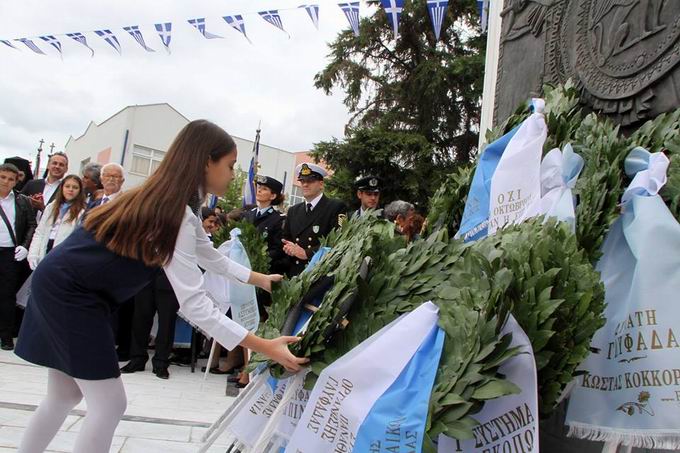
(42, 233)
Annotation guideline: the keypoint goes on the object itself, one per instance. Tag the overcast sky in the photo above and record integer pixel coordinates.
(226, 80)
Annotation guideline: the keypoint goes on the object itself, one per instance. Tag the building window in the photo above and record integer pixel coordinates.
(145, 160)
(296, 196)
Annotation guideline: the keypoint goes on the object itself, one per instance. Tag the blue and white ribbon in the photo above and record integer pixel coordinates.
(80, 38)
(199, 24)
(164, 31)
(137, 34)
(437, 11)
(351, 11)
(109, 37)
(393, 9)
(313, 11)
(237, 23)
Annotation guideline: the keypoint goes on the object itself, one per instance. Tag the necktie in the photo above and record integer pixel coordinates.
(259, 214)
(309, 208)
(105, 200)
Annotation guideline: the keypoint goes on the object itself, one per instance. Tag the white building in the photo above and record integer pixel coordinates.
(138, 136)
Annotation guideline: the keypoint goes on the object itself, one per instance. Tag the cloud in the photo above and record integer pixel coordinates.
(227, 80)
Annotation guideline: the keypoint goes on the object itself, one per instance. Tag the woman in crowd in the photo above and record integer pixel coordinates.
(59, 219)
(121, 246)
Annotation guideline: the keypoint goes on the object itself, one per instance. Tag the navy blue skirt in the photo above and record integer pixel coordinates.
(74, 290)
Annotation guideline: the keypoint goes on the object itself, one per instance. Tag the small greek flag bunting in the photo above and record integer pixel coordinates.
(31, 45)
(237, 23)
(483, 6)
(393, 9)
(79, 37)
(437, 10)
(313, 11)
(165, 33)
(199, 24)
(7, 43)
(54, 42)
(110, 38)
(351, 11)
(273, 18)
(137, 34)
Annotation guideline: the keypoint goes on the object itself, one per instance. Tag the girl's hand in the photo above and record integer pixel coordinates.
(277, 350)
(267, 281)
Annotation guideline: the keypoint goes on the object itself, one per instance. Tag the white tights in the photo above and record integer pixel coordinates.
(106, 403)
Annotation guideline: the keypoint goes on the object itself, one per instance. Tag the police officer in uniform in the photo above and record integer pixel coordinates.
(269, 221)
(309, 221)
(368, 193)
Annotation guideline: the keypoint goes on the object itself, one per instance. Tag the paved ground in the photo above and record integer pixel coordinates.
(162, 416)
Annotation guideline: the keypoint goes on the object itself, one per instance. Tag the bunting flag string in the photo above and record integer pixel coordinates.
(137, 34)
(110, 38)
(199, 24)
(274, 18)
(237, 23)
(393, 9)
(437, 10)
(165, 33)
(351, 11)
(54, 42)
(8, 43)
(31, 45)
(313, 11)
(79, 37)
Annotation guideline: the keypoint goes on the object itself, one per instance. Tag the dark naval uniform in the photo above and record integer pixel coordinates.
(307, 228)
(368, 184)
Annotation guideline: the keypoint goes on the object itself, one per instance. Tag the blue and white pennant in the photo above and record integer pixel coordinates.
(79, 37)
(109, 37)
(437, 10)
(54, 42)
(8, 43)
(237, 23)
(199, 24)
(165, 33)
(351, 11)
(313, 11)
(137, 34)
(31, 45)
(393, 9)
(273, 18)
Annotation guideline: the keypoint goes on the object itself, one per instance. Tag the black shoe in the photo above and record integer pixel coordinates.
(7, 344)
(161, 373)
(133, 366)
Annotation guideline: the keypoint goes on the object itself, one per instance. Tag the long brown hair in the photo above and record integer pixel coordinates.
(77, 204)
(143, 223)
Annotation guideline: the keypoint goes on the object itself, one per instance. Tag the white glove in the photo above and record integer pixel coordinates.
(20, 253)
(33, 263)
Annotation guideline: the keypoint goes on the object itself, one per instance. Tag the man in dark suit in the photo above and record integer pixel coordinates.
(368, 193)
(42, 191)
(112, 180)
(17, 225)
(309, 221)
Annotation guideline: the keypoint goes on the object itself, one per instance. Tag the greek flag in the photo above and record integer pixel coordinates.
(437, 10)
(110, 38)
(137, 34)
(199, 24)
(165, 33)
(54, 42)
(483, 6)
(79, 37)
(7, 43)
(313, 11)
(351, 11)
(273, 18)
(237, 23)
(249, 187)
(31, 45)
(393, 9)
